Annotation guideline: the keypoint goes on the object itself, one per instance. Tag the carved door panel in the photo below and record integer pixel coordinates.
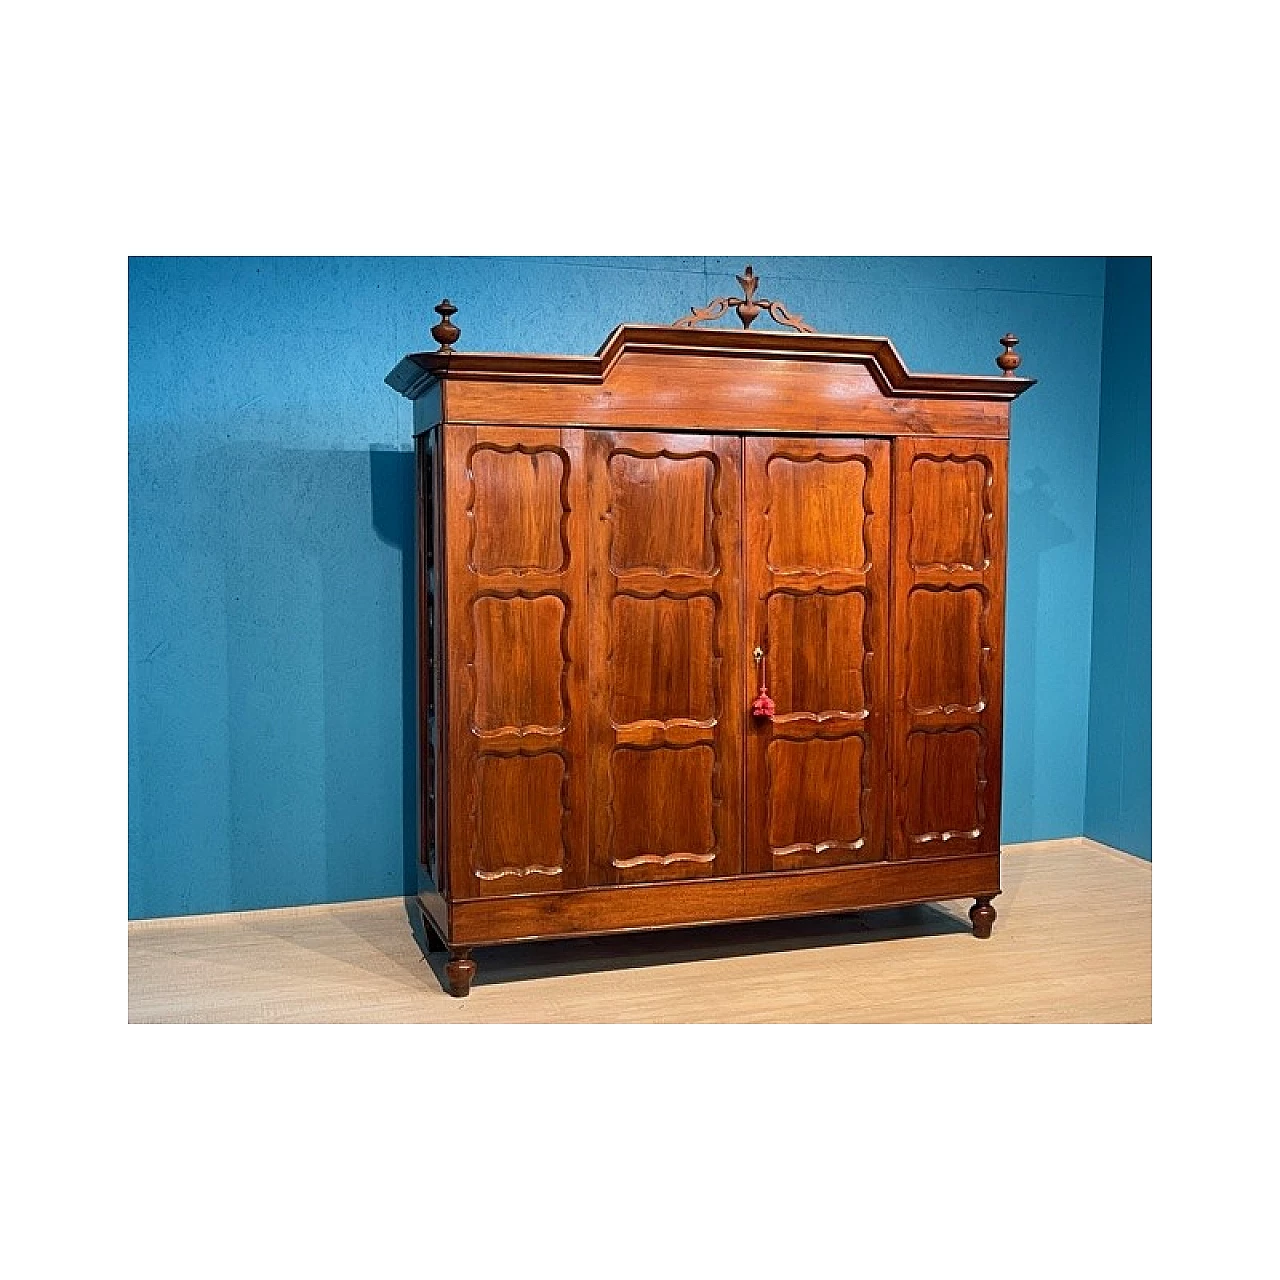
(817, 598)
(517, 629)
(948, 626)
(666, 649)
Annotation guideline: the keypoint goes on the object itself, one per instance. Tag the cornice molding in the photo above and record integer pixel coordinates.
(416, 372)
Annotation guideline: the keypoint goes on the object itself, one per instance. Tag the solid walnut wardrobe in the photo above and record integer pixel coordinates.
(710, 628)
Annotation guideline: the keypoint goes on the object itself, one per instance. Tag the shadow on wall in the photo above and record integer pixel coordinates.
(1034, 529)
(271, 625)
(391, 497)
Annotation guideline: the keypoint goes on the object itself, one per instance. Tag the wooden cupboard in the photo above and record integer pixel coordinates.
(710, 628)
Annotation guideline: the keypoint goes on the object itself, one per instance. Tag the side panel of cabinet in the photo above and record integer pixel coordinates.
(949, 536)
(429, 636)
(666, 644)
(517, 686)
(817, 595)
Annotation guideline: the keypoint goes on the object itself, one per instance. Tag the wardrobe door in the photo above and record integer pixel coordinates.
(666, 656)
(817, 570)
(948, 627)
(516, 622)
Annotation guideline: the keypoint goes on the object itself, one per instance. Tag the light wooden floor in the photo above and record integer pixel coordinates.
(1072, 944)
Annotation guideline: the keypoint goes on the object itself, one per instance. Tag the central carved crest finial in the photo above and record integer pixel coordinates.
(747, 307)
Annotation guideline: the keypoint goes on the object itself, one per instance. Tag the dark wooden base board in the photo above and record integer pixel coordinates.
(584, 912)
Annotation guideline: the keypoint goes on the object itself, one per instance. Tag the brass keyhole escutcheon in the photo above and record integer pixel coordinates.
(757, 653)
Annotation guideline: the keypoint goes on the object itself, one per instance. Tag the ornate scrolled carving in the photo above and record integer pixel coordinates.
(748, 307)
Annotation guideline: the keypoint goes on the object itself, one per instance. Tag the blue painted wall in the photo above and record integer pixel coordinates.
(270, 530)
(1118, 794)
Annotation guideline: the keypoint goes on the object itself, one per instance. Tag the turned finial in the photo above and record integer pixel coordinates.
(446, 333)
(1007, 360)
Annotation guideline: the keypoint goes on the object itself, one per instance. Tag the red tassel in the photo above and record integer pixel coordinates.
(763, 707)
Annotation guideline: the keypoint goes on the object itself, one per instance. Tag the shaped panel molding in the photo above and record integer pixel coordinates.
(818, 791)
(662, 506)
(662, 660)
(946, 650)
(647, 828)
(817, 514)
(520, 664)
(518, 509)
(521, 804)
(945, 787)
(820, 650)
(951, 512)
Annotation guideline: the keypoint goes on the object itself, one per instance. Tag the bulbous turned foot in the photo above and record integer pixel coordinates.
(459, 971)
(983, 915)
